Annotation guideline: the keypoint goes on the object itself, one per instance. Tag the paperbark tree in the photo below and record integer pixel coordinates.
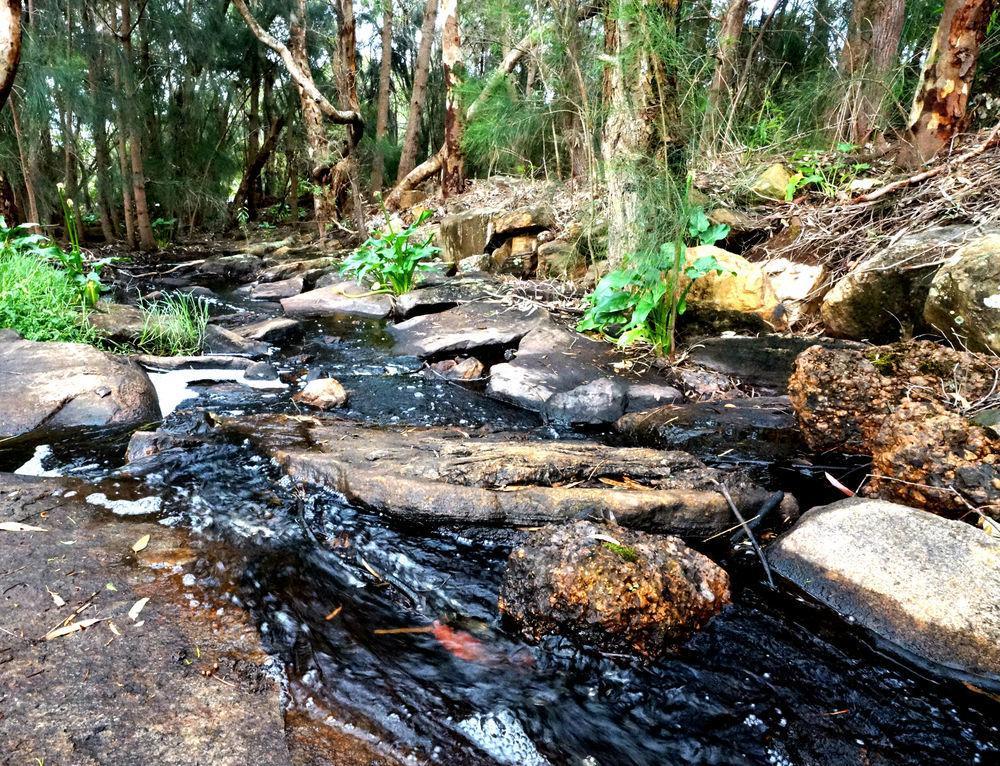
(384, 81)
(10, 45)
(408, 156)
(453, 162)
(941, 101)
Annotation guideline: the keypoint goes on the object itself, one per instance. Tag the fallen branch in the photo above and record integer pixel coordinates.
(746, 528)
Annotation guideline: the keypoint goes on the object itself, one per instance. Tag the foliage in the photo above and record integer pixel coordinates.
(174, 325)
(702, 231)
(86, 276)
(389, 260)
(38, 300)
(243, 221)
(163, 229)
(825, 174)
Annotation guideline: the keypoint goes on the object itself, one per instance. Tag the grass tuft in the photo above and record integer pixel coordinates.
(174, 326)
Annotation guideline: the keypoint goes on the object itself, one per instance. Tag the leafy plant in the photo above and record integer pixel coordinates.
(826, 174)
(39, 301)
(243, 221)
(701, 229)
(163, 230)
(389, 259)
(174, 325)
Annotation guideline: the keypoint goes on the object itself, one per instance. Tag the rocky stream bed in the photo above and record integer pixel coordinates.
(528, 560)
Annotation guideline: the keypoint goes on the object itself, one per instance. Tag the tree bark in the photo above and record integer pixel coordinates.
(408, 157)
(720, 92)
(256, 164)
(10, 45)
(575, 102)
(453, 164)
(868, 55)
(384, 81)
(939, 107)
(27, 171)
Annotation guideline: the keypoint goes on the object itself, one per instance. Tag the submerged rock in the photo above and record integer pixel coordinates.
(275, 330)
(433, 476)
(341, 298)
(923, 583)
(469, 368)
(611, 587)
(323, 394)
(219, 340)
(467, 328)
(271, 291)
(49, 388)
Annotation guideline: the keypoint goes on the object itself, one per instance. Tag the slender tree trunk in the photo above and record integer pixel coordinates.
(867, 58)
(143, 225)
(575, 100)
(346, 172)
(384, 80)
(453, 175)
(101, 150)
(253, 137)
(128, 208)
(10, 45)
(27, 169)
(408, 157)
(256, 164)
(939, 108)
(720, 92)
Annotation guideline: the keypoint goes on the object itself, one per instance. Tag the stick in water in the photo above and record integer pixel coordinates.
(746, 528)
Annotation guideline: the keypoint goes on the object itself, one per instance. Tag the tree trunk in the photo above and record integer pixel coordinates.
(27, 170)
(868, 55)
(10, 45)
(453, 166)
(641, 109)
(408, 157)
(101, 150)
(253, 138)
(256, 164)
(720, 92)
(346, 172)
(143, 225)
(384, 80)
(939, 108)
(575, 104)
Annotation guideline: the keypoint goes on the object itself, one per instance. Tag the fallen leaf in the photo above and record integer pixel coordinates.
(838, 485)
(73, 627)
(17, 526)
(137, 607)
(114, 629)
(141, 543)
(461, 644)
(56, 598)
(111, 586)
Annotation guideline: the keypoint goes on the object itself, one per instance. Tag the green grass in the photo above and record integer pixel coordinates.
(39, 301)
(175, 325)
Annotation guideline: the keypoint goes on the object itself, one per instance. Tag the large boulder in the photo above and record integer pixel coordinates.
(799, 287)
(611, 587)
(524, 220)
(435, 298)
(883, 297)
(742, 288)
(117, 322)
(464, 234)
(342, 298)
(229, 269)
(273, 330)
(434, 476)
(282, 288)
(465, 329)
(964, 297)
(925, 584)
(49, 388)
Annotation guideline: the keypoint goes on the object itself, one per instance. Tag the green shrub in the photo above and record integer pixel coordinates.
(389, 260)
(40, 301)
(174, 325)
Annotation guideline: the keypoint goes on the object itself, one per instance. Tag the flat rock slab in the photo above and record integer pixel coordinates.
(571, 378)
(441, 297)
(434, 476)
(339, 299)
(925, 584)
(272, 291)
(49, 388)
(204, 361)
(465, 329)
(275, 330)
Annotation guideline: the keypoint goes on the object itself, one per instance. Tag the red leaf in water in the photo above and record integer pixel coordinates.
(463, 645)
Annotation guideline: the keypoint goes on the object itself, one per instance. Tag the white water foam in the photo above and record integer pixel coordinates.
(172, 386)
(35, 467)
(501, 736)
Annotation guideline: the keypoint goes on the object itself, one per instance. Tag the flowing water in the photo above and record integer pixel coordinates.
(395, 631)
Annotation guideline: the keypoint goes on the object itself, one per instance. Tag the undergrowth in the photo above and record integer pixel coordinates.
(39, 301)
(174, 325)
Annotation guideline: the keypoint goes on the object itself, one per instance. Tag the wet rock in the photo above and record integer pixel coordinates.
(219, 340)
(773, 182)
(467, 328)
(229, 269)
(440, 297)
(742, 288)
(204, 361)
(261, 371)
(645, 396)
(903, 404)
(272, 291)
(433, 476)
(553, 361)
(469, 368)
(762, 428)
(925, 584)
(145, 444)
(323, 394)
(611, 587)
(341, 298)
(964, 297)
(145, 690)
(763, 362)
(463, 234)
(276, 330)
(49, 388)
(882, 299)
(309, 270)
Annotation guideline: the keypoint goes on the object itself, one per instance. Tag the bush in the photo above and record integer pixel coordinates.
(39, 301)
(389, 259)
(174, 325)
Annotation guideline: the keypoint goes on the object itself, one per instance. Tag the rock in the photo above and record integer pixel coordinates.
(229, 269)
(469, 368)
(117, 322)
(204, 361)
(275, 331)
(883, 297)
(261, 371)
(463, 234)
(436, 298)
(773, 182)
(219, 340)
(434, 476)
(479, 325)
(410, 197)
(553, 361)
(645, 396)
(49, 388)
(272, 291)
(142, 444)
(309, 270)
(900, 404)
(925, 584)
(643, 593)
(516, 257)
(144, 691)
(341, 298)
(743, 288)
(763, 362)
(523, 220)
(323, 394)
(964, 296)
(797, 286)
(474, 264)
(560, 260)
(270, 247)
